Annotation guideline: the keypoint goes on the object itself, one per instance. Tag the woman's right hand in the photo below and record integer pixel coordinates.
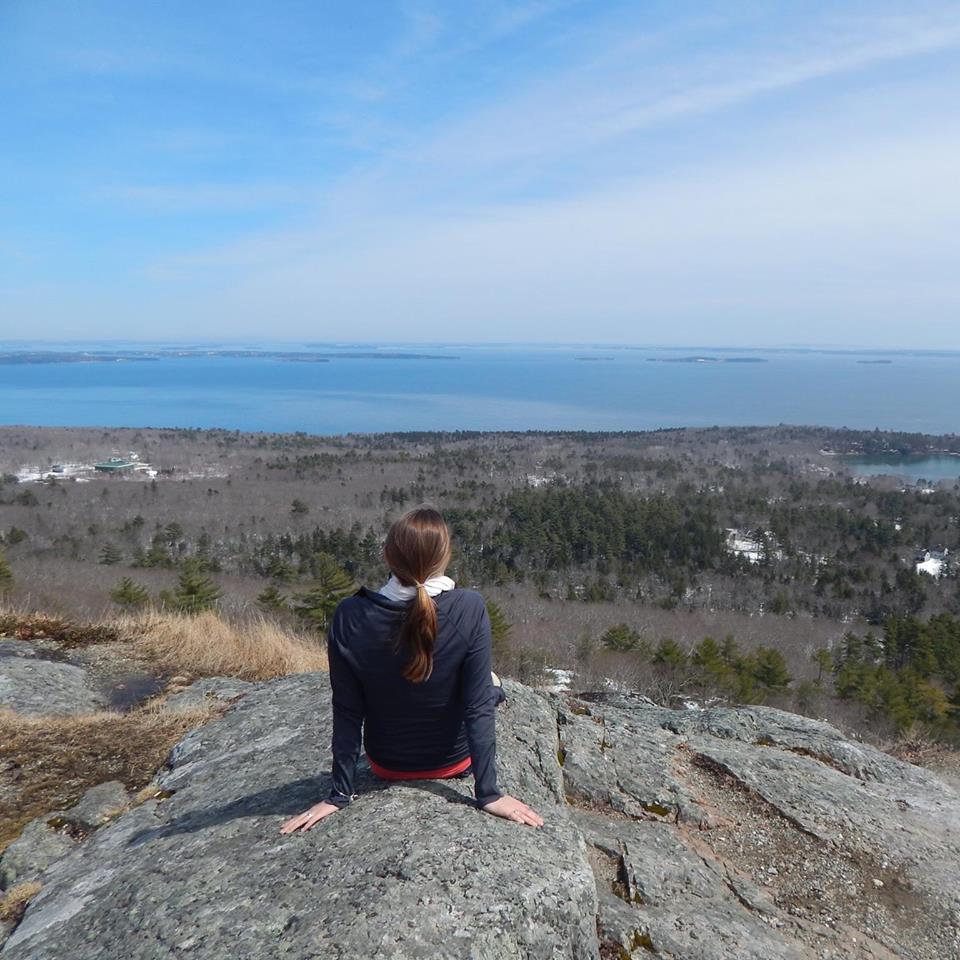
(510, 808)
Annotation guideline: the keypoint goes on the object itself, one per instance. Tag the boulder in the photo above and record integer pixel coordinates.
(33, 684)
(744, 833)
(95, 807)
(406, 870)
(756, 833)
(38, 845)
(48, 838)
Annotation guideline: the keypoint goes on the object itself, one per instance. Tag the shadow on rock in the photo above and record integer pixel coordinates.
(283, 801)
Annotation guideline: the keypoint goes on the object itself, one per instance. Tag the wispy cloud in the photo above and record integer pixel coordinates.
(615, 96)
(546, 166)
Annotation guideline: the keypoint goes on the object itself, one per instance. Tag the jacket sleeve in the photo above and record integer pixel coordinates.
(348, 713)
(479, 710)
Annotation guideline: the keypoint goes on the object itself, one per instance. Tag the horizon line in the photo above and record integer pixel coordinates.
(20, 343)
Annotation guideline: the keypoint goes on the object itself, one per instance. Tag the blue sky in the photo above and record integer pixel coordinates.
(684, 173)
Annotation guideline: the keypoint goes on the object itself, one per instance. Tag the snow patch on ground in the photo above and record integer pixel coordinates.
(935, 568)
(559, 680)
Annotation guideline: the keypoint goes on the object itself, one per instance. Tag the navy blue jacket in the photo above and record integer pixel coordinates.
(406, 725)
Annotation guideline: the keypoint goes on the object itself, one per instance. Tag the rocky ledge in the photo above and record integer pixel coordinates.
(747, 833)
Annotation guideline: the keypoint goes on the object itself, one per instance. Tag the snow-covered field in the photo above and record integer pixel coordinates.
(80, 472)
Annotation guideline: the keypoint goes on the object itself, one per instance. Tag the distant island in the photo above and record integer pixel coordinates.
(25, 357)
(376, 355)
(707, 360)
(874, 361)
(56, 356)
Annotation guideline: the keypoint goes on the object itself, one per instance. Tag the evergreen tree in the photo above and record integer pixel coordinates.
(272, 599)
(195, 591)
(279, 570)
(500, 629)
(6, 575)
(129, 594)
(713, 668)
(780, 603)
(204, 543)
(770, 669)
(159, 553)
(331, 584)
(669, 653)
(824, 661)
(621, 637)
(110, 554)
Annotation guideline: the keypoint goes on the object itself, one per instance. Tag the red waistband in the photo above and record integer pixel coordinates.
(448, 771)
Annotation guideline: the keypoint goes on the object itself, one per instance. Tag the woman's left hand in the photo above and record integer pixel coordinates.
(305, 820)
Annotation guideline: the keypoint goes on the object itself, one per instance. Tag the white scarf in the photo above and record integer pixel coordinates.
(393, 589)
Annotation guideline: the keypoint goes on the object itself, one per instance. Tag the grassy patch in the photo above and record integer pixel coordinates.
(35, 626)
(921, 747)
(46, 763)
(14, 902)
(207, 645)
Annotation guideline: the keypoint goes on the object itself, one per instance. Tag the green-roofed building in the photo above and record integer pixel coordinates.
(115, 465)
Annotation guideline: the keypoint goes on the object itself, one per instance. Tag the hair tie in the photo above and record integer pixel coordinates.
(419, 584)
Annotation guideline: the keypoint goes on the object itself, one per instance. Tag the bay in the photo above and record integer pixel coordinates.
(907, 468)
(485, 387)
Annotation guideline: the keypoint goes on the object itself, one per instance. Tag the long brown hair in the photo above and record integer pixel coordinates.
(417, 548)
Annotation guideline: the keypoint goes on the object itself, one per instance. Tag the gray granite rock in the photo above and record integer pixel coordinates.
(32, 684)
(407, 870)
(32, 852)
(682, 835)
(208, 690)
(96, 807)
(50, 837)
(767, 835)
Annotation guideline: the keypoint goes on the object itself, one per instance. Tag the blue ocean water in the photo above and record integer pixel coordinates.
(506, 387)
(907, 468)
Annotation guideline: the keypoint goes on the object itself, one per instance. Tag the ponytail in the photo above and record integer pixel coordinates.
(418, 634)
(418, 547)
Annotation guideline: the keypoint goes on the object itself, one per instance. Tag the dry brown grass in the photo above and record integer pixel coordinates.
(209, 646)
(33, 626)
(14, 902)
(919, 746)
(46, 763)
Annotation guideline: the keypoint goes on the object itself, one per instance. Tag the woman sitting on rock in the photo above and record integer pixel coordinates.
(411, 665)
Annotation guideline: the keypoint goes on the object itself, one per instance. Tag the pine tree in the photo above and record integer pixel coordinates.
(669, 653)
(6, 575)
(770, 669)
(621, 637)
(195, 592)
(129, 594)
(331, 584)
(824, 661)
(272, 599)
(110, 554)
(500, 628)
(280, 570)
(712, 666)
